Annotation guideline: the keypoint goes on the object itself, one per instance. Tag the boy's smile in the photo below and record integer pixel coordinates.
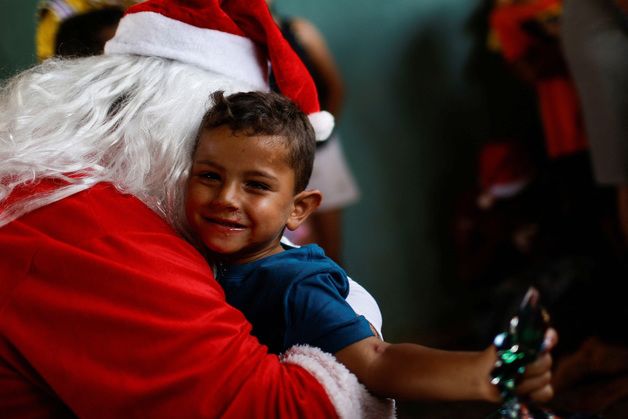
(240, 194)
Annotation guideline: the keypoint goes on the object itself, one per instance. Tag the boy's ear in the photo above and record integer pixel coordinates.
(304, 204)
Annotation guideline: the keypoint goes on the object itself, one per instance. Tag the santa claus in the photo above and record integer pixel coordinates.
(107, 311)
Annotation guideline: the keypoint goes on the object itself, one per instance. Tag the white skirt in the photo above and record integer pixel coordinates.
(332, 176)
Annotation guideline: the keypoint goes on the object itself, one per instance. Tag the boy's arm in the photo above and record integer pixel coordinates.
(409, 371)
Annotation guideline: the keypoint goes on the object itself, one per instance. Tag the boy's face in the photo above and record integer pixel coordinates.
(240, 194)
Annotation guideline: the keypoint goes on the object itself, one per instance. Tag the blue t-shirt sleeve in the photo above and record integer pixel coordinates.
(317, 314)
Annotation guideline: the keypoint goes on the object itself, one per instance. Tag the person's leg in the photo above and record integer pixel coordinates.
(333, 177)
(328, 228)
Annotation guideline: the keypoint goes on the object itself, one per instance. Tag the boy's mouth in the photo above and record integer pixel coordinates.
(225, 222)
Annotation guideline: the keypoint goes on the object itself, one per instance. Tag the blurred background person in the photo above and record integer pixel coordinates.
(331, 174)
(526, 33)
(76, 28)
(595, 41)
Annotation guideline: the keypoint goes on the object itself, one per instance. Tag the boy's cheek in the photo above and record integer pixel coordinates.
(195, 195)
(190, 206)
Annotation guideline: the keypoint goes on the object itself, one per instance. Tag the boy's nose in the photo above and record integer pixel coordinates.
(227, 196)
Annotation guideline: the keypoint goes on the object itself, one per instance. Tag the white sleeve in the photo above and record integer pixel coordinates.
(364, 304)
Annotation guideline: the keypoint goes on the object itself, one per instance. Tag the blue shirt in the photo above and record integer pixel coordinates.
(295, 297)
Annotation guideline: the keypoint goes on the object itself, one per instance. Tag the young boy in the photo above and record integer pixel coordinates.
(250, 168)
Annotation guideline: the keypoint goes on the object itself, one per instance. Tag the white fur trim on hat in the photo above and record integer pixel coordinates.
(153, 34)
(350, 398)
(323, 123)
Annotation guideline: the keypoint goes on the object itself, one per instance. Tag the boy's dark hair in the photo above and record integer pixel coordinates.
(267, 113)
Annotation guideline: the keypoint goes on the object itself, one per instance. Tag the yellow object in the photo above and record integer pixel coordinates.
(52, 12)
(492, 41)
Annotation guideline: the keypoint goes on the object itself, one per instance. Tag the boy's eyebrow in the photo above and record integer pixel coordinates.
(258, 173)
(261, 174)
(206, 163)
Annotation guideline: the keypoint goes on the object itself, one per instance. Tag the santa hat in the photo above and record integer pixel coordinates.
(226, 37)
(504, 170)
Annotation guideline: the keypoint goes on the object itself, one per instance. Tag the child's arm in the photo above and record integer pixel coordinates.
(409, 371)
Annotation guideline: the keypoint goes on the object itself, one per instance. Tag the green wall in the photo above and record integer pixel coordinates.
(410, 126)
(17, 35)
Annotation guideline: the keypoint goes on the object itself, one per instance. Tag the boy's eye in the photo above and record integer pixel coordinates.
(209, 176)
(258, 185)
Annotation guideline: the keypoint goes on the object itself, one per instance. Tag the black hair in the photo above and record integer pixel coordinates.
(267, 113)
(85, 34)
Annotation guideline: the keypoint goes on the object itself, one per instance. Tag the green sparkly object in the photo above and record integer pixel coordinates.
(516, 348)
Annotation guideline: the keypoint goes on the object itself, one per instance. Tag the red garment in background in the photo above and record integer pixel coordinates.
(560, 112)
(558, 101)
(106, 312)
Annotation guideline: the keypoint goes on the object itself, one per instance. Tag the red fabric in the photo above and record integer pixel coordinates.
(253, 20)
(503, 163)
(106, 312)
(558, 100)
(560, 113)
(199, 13)
(506, 21)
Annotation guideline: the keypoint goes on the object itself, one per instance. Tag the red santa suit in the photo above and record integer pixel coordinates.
(107, 312)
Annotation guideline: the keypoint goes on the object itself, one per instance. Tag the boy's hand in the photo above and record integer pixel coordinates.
(535, 383)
